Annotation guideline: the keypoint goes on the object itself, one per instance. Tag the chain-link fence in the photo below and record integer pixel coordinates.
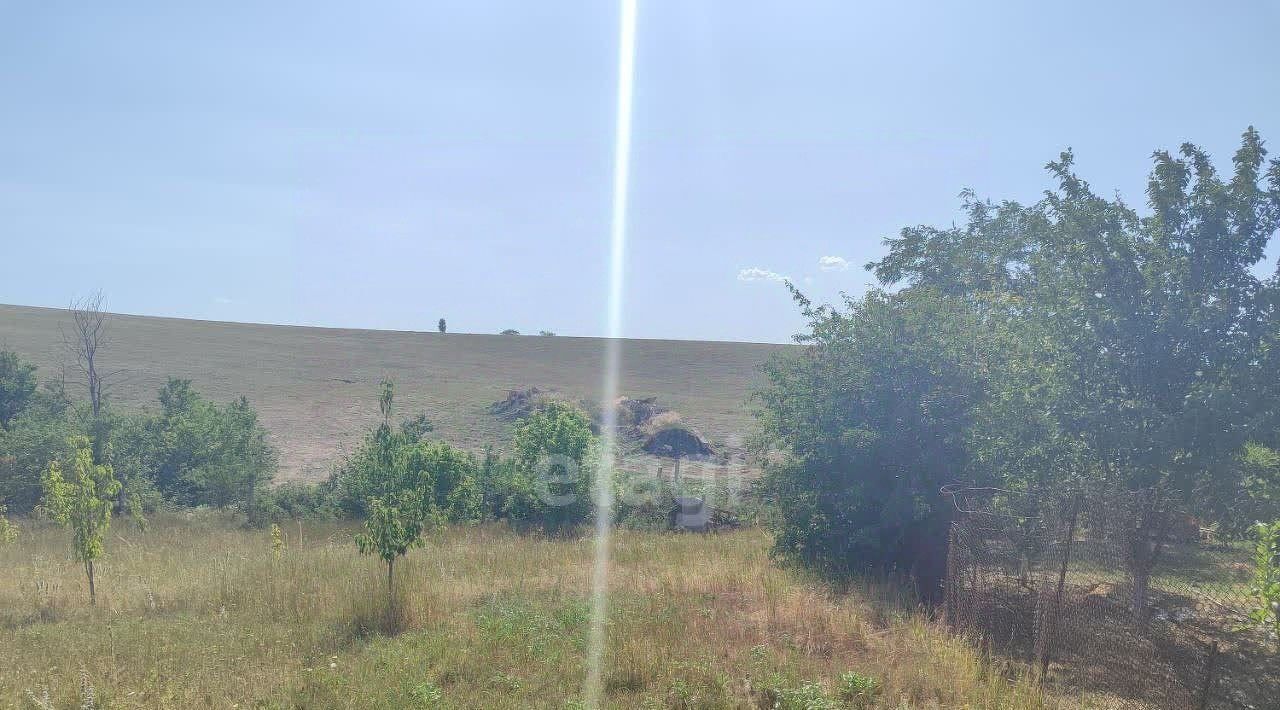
(1118, 599)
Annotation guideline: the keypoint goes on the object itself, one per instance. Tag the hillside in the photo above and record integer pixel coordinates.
(316, 388)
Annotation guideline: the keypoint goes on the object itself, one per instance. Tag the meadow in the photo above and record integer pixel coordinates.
(199, 611)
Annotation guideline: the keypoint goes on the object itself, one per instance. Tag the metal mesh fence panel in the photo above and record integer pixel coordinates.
(1114, 598)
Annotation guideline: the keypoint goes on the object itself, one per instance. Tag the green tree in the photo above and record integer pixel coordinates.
(553, 464)
(392, 480)
(200, 453)
(241, 460)
(82, 502)
(17, 386)
(39, 433)
(441, 326)
(1151, 335)
(865, 424)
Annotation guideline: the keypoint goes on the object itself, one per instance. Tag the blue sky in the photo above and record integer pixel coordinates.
(384, 164)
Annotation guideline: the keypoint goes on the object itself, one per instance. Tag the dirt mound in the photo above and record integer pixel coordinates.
(521, 403)
(678, 440)
(637, 413)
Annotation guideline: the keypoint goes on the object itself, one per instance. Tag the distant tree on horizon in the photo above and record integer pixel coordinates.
(510, 331)
(441, 325)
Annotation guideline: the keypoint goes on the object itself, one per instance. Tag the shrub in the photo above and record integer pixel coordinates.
(8, 531)
(1265, 588)
(807, 696)
(550, 479)
(870, 419)
(17, 386)
(858, 690)
(295, 500)
(38, 434)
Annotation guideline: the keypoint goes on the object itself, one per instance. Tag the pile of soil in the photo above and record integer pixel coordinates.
(637, 413)
(520, 403)
(678, 440)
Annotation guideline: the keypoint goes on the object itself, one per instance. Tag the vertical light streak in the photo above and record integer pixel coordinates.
(603, 488)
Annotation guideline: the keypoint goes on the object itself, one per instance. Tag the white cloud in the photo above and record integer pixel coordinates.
(222, 300)
(755, 273)
(833, 263)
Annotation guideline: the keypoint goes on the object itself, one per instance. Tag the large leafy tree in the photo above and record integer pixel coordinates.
(1125, 350)
(1153, 329)
(866, 423)
(1150, 334)
(196, 451)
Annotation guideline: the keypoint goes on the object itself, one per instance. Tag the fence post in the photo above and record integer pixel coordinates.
(1050, 628)
(1210, 668)
(952, 610)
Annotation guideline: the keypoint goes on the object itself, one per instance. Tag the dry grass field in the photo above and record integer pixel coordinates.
(316, 388)
(197, 612)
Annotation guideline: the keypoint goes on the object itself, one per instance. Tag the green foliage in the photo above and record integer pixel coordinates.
(295, 500)
(277, 543)
(17, 386)
(872, 415)
(858, 690)
(82, 502)
(417, 428)
(1260, 477)
(1148, 336)
(441, 326)
(8, 531)
(549, 480)
(393, 490)
(428, 694)
(1265, 588)
(41, 432)
(195, 451)
(806, 696)
(404, 486)
(1071, 342)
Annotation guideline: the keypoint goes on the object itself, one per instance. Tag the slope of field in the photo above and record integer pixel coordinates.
(316, 388)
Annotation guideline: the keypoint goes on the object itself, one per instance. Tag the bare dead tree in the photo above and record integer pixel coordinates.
(85, 343)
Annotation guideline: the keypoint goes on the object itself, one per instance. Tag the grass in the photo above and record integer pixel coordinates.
(316, 388)
(195, 613)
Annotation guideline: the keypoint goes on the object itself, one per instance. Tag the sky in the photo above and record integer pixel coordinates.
(385, 164)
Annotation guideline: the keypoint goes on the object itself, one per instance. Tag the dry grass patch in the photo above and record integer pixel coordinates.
(196, 612)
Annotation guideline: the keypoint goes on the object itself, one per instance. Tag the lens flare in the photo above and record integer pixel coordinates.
(603, 488)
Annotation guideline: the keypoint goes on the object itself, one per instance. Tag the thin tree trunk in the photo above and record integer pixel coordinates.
(1141, 586)
(390, 594)
(93, 595)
